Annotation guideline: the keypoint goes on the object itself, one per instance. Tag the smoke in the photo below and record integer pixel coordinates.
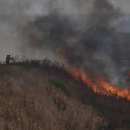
(81, 33)
(89, 44)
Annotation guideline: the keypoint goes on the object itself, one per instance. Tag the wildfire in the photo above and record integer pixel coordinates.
(99, 85)
(85, 78)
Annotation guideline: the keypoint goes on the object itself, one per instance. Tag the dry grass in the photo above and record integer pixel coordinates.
(29, 100)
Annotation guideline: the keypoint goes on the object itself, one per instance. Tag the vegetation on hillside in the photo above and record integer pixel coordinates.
(37, 95)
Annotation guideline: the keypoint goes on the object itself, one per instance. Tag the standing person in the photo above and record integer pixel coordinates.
(8, 58)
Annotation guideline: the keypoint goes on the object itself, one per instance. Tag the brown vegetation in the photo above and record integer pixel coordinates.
(36, 97)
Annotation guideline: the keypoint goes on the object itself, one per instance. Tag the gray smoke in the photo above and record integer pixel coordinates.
(81, 33)
(90, 44)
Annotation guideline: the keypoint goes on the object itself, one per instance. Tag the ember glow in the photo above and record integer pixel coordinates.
(99, 85)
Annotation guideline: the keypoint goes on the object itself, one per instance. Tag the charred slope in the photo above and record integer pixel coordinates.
(37, 98)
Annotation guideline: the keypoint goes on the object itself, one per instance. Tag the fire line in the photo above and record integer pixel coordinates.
(104, 89)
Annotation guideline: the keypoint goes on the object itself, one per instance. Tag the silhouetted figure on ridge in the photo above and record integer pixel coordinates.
(8, 59)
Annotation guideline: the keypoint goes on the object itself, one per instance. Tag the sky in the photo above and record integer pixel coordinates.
(14, 14)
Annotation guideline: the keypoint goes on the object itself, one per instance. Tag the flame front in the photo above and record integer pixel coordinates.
(99, 85)
(84, 78)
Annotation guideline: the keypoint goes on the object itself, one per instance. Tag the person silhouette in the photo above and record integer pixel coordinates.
(8, 58)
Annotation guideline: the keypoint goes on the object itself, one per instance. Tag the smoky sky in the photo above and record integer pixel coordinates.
(92, 35)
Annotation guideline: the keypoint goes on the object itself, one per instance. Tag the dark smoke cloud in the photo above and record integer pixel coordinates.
(90, 44)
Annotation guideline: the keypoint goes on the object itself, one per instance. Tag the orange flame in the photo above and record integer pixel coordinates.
(124, 93)
(84, 78)
(103, 87)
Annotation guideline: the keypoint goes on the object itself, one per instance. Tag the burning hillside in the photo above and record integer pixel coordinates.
(85, 84)
(87, 42)
(100, 86)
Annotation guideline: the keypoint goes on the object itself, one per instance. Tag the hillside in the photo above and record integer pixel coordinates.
(42, 97)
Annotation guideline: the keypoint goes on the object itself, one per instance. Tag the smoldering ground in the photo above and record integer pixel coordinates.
(82, 33)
